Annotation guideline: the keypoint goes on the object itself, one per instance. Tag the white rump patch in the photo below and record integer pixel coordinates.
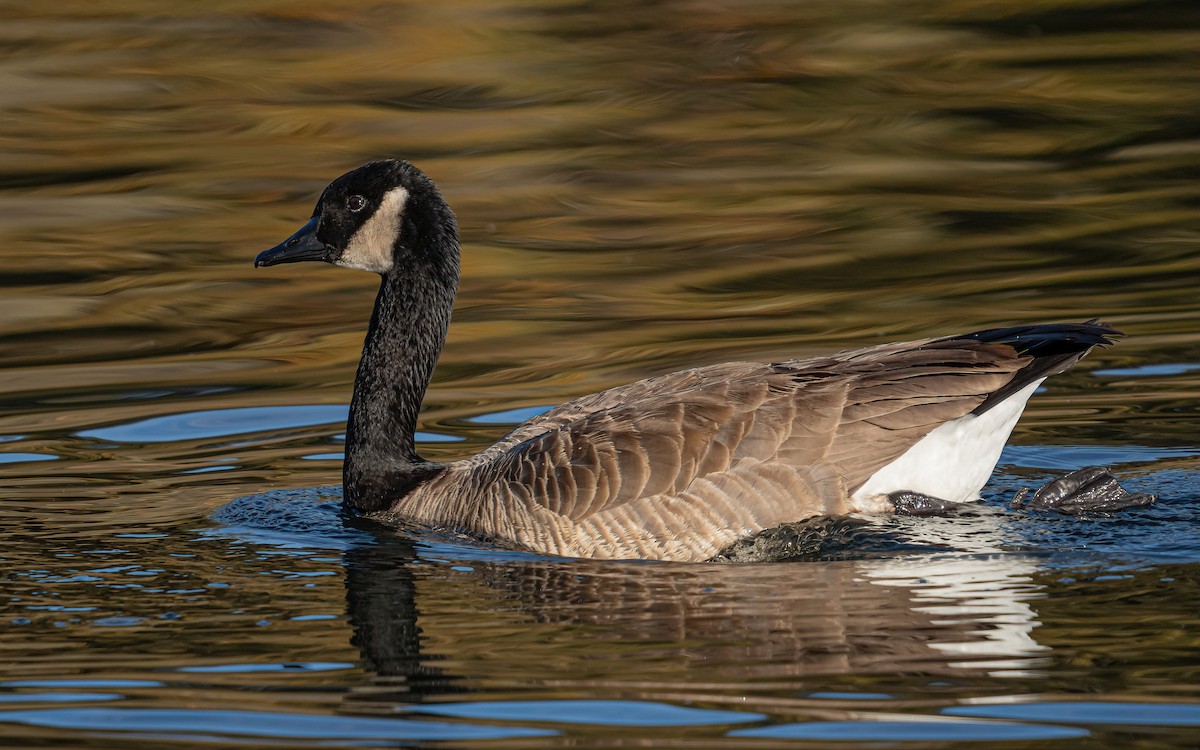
(952, 462)
(370, 248)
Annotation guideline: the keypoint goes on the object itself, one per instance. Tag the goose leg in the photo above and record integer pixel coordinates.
(819, 537)
(908, 503)
(1088, 490)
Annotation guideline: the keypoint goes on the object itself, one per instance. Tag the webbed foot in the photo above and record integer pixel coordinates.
(910, 503)
(1088, 490)
(814, 538)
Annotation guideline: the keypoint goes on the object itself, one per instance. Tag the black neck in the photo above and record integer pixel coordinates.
(407, 331)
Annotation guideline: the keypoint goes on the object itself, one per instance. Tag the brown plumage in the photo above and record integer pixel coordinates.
(675, 467)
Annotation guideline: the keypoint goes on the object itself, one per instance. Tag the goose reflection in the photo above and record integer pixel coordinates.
(381, 605)
(429, 627)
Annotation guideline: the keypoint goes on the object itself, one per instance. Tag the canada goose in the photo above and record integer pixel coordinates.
(679, 466)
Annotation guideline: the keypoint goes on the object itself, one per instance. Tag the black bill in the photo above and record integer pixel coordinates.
(303, 245)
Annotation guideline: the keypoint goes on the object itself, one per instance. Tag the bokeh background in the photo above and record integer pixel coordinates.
(640, 187)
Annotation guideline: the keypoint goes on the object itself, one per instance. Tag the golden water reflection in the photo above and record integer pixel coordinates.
(641, 188)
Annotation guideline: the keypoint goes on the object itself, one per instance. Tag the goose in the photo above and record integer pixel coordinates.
(680, 466)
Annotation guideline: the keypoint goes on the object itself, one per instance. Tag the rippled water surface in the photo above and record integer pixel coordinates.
(641, 187)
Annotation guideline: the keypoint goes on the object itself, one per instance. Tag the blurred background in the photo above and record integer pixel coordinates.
(640, 187)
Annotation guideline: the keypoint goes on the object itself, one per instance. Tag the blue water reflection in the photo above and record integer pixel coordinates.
(218, 723)
(917, 729)
(621, 713)
(197, 425)
(510, 416)
(1088, 712)
(12, 458)
(212, 423)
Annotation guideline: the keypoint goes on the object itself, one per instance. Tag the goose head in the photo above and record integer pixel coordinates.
(382, 217)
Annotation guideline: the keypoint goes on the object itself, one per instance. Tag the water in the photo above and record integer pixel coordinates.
(640, 189)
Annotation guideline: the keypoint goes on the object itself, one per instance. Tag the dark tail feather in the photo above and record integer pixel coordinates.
(1053, 346)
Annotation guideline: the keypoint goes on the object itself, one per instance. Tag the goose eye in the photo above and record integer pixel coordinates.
(356, 203)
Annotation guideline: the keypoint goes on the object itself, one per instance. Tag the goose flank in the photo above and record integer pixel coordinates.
(679, 466)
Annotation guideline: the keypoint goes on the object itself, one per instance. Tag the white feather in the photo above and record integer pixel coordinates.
(952, 462)
(370, 248)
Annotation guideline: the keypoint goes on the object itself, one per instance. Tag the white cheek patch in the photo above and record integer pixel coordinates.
(370, 248)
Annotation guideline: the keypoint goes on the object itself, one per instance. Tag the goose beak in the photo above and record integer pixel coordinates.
(303, 245)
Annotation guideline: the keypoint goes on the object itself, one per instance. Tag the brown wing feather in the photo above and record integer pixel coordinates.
(635, 448)
(836, 420)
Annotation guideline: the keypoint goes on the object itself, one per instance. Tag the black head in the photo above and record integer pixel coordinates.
(376, 218)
